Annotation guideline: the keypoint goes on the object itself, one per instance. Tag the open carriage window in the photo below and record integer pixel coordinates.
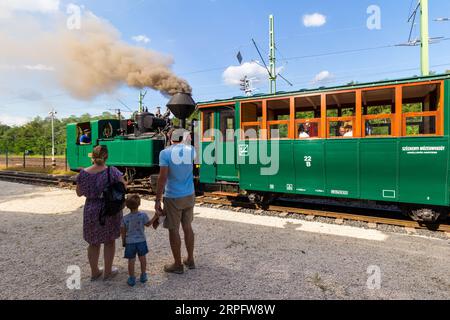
(251, 120)
(84, 134)
(421, 109)
(227, 126)
(207, 125)
(307, 117)
(278, 115)
(341, 110)
(378, 112)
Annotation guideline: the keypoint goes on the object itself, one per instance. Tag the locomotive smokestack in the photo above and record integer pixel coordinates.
(182, 106)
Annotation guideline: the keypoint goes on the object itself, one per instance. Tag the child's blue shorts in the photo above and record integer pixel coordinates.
(133, 249)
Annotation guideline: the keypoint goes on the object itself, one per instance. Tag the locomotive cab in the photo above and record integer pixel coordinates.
(79, 150)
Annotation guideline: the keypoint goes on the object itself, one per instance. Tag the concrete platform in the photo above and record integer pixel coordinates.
(239, 256)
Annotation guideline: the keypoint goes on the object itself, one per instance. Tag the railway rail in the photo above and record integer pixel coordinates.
(370, 218)
(37, 178)
(219, 200)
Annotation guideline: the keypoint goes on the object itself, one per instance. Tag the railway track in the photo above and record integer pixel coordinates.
(222, 201)
(371, 219)
(36, 178)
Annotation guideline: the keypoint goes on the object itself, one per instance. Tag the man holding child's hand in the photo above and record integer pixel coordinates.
(176, 181)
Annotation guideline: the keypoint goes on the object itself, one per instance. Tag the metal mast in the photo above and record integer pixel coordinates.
(272, 58)
(425, 38)
(141, 100)
(52, 116)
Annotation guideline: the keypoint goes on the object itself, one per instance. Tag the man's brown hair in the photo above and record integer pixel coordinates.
(133, 202)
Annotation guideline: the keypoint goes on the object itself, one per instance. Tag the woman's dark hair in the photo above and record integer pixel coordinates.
(301, 128)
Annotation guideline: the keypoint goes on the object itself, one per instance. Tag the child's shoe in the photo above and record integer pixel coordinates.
(144, 278)
(131, 281)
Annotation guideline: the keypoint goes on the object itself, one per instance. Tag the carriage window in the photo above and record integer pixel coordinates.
(307, 117)
(378, 112)
(341, 108)
(252, 112)
(278, 115)
(208, 125)
(84, 134)
(278, 131)
(251, 131)
(227, 124)
(420, 125)
(251, 122)
(421, 109)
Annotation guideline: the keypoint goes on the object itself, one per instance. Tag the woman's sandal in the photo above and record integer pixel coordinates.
(112, 275)
(98, 276)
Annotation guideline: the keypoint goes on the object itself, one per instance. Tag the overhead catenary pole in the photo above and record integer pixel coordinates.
(272, 58)
(141, 100)
(52, 116)
(425, 38)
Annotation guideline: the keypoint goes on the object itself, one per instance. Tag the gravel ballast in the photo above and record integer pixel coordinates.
(239, 256)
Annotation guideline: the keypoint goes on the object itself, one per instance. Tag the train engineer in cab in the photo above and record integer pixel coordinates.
(86, 137)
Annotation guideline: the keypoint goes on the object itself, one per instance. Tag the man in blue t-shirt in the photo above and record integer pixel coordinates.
(86, 137)
(176, 181)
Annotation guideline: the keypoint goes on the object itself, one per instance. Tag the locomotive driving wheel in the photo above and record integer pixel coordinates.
(261, 200)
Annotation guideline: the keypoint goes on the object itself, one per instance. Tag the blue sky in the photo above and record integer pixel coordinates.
(204, 36)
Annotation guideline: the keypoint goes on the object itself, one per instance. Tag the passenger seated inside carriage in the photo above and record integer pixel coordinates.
(348, 131)
(302, 133)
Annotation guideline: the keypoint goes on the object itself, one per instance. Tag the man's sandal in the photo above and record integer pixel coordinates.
(189, 264)
(171, 268)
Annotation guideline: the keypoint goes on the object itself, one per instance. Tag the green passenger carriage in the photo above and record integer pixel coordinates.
(385, 141)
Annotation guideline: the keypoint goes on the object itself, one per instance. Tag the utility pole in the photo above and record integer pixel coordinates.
(272, 58)
(246, 86)
(141, 100)
(53, 114)
(425, 38)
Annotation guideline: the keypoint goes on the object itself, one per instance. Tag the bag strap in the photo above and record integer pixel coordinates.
(109, 176)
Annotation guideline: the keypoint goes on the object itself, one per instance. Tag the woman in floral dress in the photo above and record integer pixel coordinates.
(90, 183)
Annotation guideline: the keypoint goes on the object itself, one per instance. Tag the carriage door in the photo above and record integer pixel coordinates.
(226, 167)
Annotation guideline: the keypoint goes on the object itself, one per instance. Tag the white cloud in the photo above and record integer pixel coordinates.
(13, 120)
(141, 39)
(7, 7)
(36, 67)
(322, 77)
(233, 74)
(314, 20)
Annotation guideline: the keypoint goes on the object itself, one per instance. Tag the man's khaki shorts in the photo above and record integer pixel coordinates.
(178, 211)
